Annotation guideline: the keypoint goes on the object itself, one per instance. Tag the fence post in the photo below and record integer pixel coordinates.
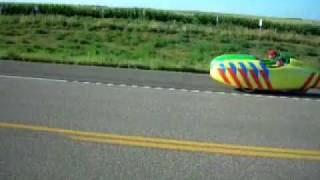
(134, 12)
(143, 13)
(260, 24)
(36, 10)
(217, 20)
(102, 12)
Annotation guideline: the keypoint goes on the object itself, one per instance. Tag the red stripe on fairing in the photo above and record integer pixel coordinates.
(256, 79)
(318, 84)
(306, 84)
(246, 79)
(235, 78)
(223, 75)
(266, 79)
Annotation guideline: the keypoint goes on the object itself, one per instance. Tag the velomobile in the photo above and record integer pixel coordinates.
(248, 73)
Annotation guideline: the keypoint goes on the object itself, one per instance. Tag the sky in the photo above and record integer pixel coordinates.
(306, 9)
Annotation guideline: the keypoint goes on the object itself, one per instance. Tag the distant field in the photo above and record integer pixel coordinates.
(140, 42)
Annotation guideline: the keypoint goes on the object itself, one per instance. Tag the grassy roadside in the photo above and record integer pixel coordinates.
(138, 43)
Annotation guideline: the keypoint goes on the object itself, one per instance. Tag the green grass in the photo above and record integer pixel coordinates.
(140, 43)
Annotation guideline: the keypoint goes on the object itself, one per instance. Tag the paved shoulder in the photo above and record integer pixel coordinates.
(163, 79)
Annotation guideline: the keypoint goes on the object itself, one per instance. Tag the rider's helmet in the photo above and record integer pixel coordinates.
(272, 54)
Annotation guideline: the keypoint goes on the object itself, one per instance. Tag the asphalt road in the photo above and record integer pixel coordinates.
(198, 116)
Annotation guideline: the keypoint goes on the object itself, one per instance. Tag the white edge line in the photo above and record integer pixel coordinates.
(221, 93)
(208, 92)
(122, 85)
(33, 78)
(158, 88)
(195, 91)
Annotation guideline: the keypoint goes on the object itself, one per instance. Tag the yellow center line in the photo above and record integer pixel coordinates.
(170, 144)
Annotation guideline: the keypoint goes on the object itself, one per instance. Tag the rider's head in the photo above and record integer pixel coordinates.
(272, 54)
